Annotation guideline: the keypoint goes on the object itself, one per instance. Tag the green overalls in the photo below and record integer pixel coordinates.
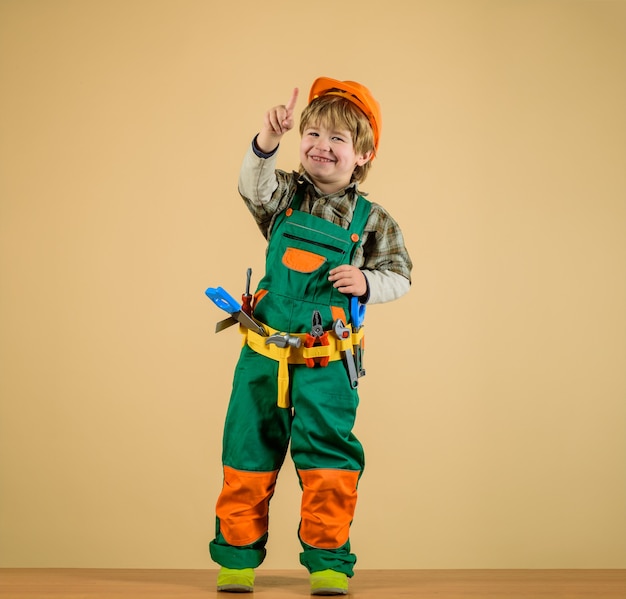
(328, 457)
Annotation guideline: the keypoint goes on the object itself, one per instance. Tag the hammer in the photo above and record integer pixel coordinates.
(283, 340)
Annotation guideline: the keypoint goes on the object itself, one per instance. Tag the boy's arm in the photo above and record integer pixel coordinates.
(381, 270)
(386, 262)
(257, 176)
(265, 190)
(385, 286)
(370, 286)
(259, 182)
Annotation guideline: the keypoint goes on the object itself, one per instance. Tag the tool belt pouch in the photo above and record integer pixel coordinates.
(290, 355)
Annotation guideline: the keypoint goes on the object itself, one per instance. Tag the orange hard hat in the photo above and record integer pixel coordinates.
(357, 94)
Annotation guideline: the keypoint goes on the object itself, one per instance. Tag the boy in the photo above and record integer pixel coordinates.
(327, 244)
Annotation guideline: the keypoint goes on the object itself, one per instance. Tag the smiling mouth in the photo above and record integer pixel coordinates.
(320, 159)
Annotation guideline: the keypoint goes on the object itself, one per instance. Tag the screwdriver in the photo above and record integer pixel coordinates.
(246, 298)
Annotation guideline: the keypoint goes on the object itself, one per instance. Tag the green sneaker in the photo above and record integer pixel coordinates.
(329, 582)
(235, 581)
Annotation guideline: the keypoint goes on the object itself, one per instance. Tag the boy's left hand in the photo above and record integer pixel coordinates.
(349, 280)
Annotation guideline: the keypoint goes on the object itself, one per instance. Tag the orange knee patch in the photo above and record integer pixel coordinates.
(243, 504)
(328, 504)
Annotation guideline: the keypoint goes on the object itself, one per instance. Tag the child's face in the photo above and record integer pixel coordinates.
(328, 157)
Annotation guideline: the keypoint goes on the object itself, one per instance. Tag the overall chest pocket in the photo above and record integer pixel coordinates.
(306, 249)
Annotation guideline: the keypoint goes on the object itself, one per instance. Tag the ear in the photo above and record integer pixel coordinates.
(363, 158)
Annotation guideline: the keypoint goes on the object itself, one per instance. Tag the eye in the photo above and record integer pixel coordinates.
(337, 138)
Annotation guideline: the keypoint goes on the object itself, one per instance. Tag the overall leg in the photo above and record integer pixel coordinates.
(329, 460)
(256, 437)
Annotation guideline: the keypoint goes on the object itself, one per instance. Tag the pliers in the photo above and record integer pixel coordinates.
(316, 337)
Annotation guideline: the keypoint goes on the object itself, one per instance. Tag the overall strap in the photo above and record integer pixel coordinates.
(360, 216)
(296, 200)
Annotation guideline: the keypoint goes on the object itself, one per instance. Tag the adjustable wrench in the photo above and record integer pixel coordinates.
(343, 332)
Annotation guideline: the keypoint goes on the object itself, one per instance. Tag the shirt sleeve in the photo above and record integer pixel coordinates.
(385, 285)
(385, 262)
(265, 190)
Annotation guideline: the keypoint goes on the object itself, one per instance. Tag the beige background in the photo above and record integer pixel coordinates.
(493, 413)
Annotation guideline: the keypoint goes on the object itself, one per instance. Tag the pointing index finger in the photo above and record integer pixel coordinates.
(292, 101)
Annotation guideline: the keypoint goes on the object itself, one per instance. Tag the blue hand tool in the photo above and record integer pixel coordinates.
(223, 300)
(357, 316)
(357, 312)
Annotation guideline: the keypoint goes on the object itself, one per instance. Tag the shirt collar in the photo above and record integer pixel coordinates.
(341, 204)
(352, 187)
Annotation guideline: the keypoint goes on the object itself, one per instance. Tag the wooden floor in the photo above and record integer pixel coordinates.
(293, 584)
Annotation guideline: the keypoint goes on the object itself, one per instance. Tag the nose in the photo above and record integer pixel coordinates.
(322, 143)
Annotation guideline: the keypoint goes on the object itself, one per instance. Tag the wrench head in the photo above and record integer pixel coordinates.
(340, 330)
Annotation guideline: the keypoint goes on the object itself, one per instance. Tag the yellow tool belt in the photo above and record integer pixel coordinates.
(291, 355)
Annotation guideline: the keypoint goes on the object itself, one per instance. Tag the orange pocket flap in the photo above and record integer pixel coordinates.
(301, 260)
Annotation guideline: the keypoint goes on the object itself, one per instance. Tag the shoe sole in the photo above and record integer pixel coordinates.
(235, 588)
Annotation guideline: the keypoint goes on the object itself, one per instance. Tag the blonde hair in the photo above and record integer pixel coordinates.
(336, 112)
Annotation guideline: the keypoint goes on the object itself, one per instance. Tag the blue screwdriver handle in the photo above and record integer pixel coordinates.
(222, 299)
(357, 312)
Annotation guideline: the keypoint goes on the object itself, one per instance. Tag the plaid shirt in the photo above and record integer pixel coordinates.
(382, 247)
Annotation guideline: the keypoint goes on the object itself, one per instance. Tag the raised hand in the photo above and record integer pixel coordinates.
(278, 120)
